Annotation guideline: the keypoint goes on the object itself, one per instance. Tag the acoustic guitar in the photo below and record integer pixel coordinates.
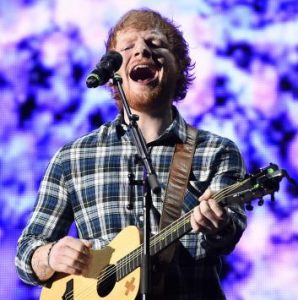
(114, 272)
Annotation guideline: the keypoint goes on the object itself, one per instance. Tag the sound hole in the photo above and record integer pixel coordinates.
(106, 281)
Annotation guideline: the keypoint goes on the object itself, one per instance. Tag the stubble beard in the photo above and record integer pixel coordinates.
(153, 98)
(147, 100)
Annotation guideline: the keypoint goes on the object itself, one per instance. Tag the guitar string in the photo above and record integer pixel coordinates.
(161, 236)
(106, 276)
(183, 221)
(218, 197)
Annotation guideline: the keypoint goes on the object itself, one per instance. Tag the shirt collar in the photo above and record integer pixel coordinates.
(176, 131)
(177, 128)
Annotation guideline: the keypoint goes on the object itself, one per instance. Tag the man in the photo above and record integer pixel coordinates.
(87, 180)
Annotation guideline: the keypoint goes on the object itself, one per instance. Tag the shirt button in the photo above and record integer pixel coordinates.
(141, 221)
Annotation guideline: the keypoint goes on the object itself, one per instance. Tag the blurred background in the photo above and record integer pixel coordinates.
(246, 88)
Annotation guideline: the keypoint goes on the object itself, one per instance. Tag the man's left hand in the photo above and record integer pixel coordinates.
(209, 217)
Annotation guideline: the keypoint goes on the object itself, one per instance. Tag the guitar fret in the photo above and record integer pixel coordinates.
(170, 234)
(176, 230)
(128, 263)
(157, 243)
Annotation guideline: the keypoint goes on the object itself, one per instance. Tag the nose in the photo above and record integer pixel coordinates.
(142, 49)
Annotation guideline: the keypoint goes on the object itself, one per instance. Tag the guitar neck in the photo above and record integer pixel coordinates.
(161, 240)
(170, 234)
(264, 183)
(158, 242)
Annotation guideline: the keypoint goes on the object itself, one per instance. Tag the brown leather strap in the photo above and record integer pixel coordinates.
(176, 187)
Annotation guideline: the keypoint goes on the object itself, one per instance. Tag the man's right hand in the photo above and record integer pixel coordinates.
(69, 255)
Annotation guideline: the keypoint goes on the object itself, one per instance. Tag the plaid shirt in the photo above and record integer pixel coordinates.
(87, 181)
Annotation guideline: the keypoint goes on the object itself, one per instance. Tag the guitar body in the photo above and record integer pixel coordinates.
(84, 287)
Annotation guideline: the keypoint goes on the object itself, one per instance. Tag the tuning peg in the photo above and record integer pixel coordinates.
(261, 201)
(248, 206)
(272, 197)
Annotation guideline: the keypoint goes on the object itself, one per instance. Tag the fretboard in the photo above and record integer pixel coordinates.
(264, 183)
(157, 243)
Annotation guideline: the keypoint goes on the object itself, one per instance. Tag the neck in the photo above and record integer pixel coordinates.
(153, 124)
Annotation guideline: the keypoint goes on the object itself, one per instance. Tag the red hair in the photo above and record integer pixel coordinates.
(144, 19)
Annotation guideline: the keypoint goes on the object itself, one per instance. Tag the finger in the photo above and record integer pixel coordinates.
(194, 224)
(82, 256)
(87, 243)
(207, 212)
(74, 262)
(75, 244)
(215, 214)
(219, 211)
(61, 267)
(199, 222)
(65, 248)
(63, 262)
(195, 219)
(206, 195)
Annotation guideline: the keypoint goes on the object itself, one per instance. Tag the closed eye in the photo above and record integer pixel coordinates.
(127, 48)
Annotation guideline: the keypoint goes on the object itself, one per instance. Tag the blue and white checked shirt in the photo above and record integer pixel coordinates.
(87, 182)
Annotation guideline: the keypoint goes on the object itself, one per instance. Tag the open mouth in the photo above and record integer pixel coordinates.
(144, 73)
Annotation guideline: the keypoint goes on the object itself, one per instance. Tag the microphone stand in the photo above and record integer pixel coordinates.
(150, 185)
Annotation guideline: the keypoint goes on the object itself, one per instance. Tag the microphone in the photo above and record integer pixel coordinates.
(109, 63)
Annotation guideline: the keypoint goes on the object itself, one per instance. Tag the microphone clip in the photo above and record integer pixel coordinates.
(132, 181)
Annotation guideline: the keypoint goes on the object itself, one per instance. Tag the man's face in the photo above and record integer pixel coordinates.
(149, 69)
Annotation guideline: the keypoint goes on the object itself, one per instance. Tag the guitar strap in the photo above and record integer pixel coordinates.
(176, 187)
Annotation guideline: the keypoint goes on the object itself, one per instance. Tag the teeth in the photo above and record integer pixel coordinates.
(140, 66)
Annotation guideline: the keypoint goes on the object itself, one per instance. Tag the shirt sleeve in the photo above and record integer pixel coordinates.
(50, 220)
(229, 168)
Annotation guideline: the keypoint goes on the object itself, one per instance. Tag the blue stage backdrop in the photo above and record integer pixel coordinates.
(246, 88)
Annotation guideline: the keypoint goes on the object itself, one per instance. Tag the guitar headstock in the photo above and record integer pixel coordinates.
(255, 186)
